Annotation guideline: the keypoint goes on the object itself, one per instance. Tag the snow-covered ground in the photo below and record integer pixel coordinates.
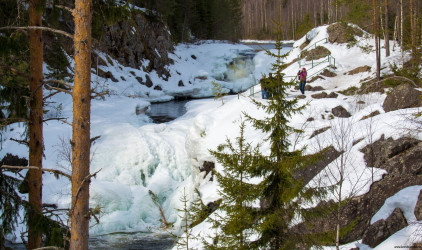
(136, 156)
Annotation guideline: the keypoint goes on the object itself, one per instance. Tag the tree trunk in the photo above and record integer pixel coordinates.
(81, 126)
(35, 123)
(374, 6)
(401, 33)
(412, 27)
(387, 35)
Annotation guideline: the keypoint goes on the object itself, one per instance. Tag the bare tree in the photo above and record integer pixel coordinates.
(81, 144)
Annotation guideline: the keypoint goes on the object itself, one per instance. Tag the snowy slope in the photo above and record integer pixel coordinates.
(135, 155)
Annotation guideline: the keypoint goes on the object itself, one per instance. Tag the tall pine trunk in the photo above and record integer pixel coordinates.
(387, 35)
(35, 123)
(374, 5)
(81, 126)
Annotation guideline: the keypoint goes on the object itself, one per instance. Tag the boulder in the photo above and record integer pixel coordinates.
(319, 131)
(339, 111)
(342, 33)
(315, 54)
(328, 73)
(360, 69)
(325, 95)
(375, 113)
(418, 207)
(382, 229)
(403, 96)
(208, 167)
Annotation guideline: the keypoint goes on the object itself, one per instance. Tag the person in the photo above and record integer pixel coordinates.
(264, 88)
(302, 79)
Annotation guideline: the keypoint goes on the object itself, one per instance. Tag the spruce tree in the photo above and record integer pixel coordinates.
(235, 216)
(283, 193)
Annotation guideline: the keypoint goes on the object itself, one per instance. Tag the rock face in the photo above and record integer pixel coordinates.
(378, 153)
(315, 54)
(138, 38)
(401, 159)
(382, 229)
(403, 96)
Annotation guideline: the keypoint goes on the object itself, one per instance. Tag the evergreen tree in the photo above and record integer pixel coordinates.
(283, 194)
(236, 216)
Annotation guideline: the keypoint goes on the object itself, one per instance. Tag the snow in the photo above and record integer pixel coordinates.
(134, 155)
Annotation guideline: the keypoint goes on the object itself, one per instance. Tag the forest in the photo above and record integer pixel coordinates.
(67, 39)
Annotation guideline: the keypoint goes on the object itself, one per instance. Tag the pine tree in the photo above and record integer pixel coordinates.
(235, 216)
(283, 194)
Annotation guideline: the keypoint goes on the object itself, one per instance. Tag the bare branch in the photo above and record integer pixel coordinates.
(59, 82)
(50, 95)
(87, 178)
(59, 89)
(20, 141)
(49, 248)
(54, 171)
(8, 121)
(100, 94)
(61, 32)
(64, 8)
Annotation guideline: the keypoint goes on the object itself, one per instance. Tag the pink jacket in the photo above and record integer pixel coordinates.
(303, 75)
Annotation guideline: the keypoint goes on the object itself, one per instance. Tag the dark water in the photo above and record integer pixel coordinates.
(167, 111)
(129, 241)
(122, 241)
(266, 46)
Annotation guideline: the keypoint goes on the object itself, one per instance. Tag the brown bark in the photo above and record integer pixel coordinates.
(376, 37)
(81, 126)
(412, 27)
(35, 123)
(387, 35)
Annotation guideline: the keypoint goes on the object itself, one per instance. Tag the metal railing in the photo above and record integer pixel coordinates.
(329, 59)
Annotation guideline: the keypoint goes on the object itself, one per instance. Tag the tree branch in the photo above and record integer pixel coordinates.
(59, 89)
(20, 141)
(16, 71)
(64, 8)
(61, 32)
(87, 178)
(54, 171)
(100, 94)
(59, 82)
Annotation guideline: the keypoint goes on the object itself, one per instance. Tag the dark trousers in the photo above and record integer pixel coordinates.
(302, 86)
(265, 94)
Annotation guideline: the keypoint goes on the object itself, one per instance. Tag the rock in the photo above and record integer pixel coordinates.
(319, 131)
(375, 113)
(208, 167)
(328, 73)
(140, 80)
(408, 162)
(339, 111)
(180, 84)
(382, 229)
(403, 96)
(361, 69)
(342, 33)
(158, 87)
(315, 54)
(138, 38)
(301, 97)
(418, 207)
(106, 75)
(193, 57)
(379, 152)
(315, 78)
(324, 95)
(317, 88)
(123, 79)
(323, 158)
(148, 82)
